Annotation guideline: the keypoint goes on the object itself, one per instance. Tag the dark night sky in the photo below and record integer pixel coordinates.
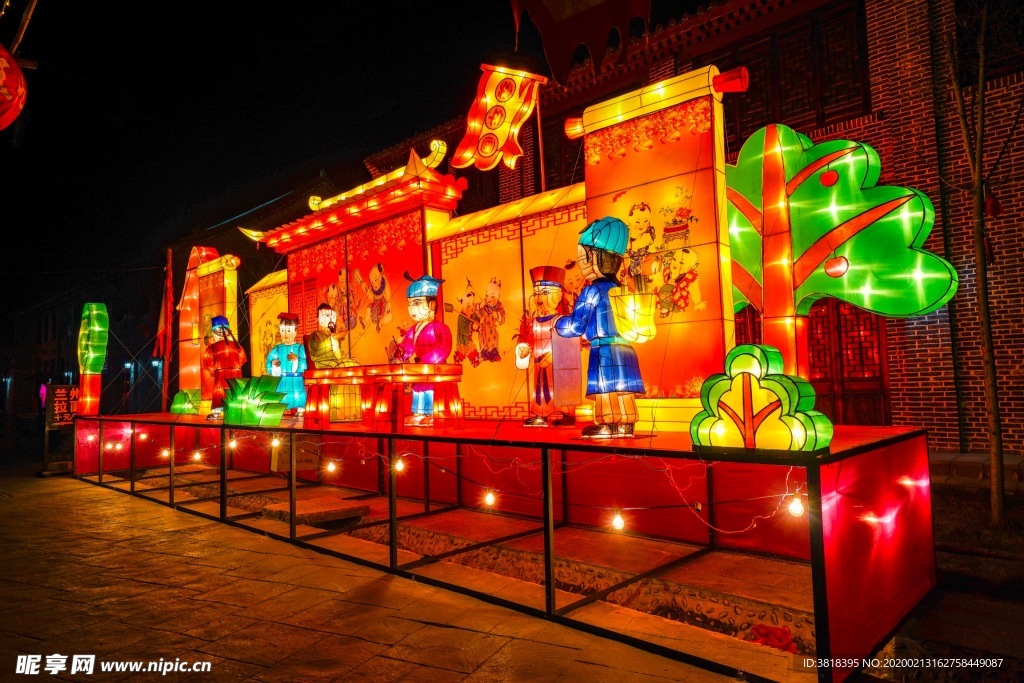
(147, 120)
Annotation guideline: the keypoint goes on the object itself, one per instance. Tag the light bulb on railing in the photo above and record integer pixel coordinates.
(489, 498)
(232, 444)
(197, 456)
(331, 466)
(796, 507)
(617, 522)
(399, 465)
(143, 436)
(276, 442)
(166, 452)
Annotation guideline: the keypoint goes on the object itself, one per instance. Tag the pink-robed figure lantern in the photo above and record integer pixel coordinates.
(427, 341)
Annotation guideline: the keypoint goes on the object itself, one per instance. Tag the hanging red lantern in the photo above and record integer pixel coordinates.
(12, 88)
(829, 178)
(836, 266)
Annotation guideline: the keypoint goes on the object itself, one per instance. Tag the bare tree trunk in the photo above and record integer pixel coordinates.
(975, 151)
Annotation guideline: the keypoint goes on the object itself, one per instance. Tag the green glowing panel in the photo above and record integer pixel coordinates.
(92, 339)
(818, 208)
(254, 401)
(755, 405)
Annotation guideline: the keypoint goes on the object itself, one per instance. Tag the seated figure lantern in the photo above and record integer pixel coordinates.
(427, 341)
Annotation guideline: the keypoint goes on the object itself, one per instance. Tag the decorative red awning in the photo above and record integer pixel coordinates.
(401, 190)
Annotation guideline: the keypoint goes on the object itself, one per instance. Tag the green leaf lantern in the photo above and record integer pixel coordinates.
(254, 401)
(92, 339)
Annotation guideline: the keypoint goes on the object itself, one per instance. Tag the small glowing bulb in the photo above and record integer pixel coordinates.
(197, 456)
(618, 523)
(109, 445)
(166, 452)
(399, 465)
(232, 443)
(905, 481)
(796, 508)
(276, 442)
(118, 446)
(91, 437)
(143, 436)
(331, 466)
(489, 498)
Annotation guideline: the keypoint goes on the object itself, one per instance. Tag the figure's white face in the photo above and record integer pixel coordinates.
(419, 309)
(546, 298)
(287, 333)
(326, 318)
(220, 332)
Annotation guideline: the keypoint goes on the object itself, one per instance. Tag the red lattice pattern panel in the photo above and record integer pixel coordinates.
(510, 230)
(860, 335)
(820, 341)
(516, 411)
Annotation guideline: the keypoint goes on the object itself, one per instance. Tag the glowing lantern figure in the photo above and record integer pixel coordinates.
(92, 354)
(504, 101)
(12, 89)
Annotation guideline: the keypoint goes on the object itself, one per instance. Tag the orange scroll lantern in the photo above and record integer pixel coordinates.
(504, 100)
(12, 88)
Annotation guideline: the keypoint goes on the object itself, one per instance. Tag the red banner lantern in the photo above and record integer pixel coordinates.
(12, 88)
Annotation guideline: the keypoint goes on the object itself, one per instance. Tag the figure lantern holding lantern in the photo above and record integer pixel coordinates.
(613, 374)
(222, 361)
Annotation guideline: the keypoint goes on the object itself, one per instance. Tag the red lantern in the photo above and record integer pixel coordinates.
(12, 88)
(836, 266)
(829, 178)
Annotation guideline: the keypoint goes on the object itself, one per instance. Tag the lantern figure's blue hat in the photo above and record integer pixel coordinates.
(219, 321)
(424, 285)
(608, 233)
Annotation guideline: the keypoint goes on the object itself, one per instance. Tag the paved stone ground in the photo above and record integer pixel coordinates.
(84, 570)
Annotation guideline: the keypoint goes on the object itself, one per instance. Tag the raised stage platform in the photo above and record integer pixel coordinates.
(713, 563)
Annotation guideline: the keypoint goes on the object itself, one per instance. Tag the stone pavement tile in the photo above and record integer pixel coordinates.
(482, 617)
(228, 559)
(625, 659)
(200, 614)
(328, 578)
(971, 621)
(390, 591)
(263, 643)
(13, 596)
(99, 638)
(108, 589)
(219, 628)
(385, 670)
(157, 645)
(156, 615)
(316, 616)
(450, 648)
(524, 660)
(201, 578)
(244, 592)
(372, 623)
(441, 607)
(324, 661)
(266, 568)
(47, 626)
(530, 628)
(287, 603)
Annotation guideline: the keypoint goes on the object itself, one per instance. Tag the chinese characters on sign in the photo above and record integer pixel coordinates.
(62, 405)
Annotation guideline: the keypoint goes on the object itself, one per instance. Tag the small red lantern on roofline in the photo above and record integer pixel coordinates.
(12, 88)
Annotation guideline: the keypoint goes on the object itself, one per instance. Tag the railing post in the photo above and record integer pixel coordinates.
(549, 531)
(426, 477)
(458, 474)
(172, 456)
(99, 462)
(131, 458)
(292, 480)
(392, 506)
(223, 477)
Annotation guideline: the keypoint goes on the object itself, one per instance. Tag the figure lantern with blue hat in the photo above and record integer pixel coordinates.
(557, 376)
(287, 360)
(222, 360)
(613, 374)
(427, 341)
